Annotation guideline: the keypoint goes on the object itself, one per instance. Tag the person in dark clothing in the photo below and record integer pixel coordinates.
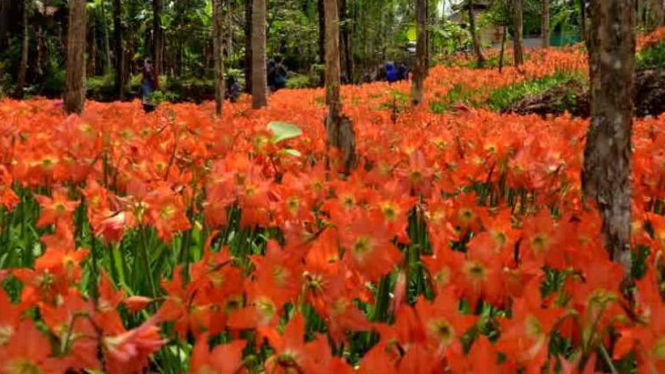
(232, 89)
(149, 85)
(402, 72)
(280, 74)
(391, 72)
(271, 74)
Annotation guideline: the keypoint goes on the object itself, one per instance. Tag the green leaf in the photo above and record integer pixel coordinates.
(292, 152)
(283, 131)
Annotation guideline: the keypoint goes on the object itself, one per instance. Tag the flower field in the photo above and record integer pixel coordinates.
(179, 242)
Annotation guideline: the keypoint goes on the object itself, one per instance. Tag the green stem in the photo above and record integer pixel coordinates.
(146, 262)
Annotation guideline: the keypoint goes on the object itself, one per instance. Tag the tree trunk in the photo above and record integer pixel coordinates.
(477, 48)
(23, 65)
(218, 51)
(118, 50)
(657, 8)
(75, 75)
(4, 22)
(92, 47)
(607, 166)
(583, 23)
(420, 68)
(259, 73)
(503, 47)
(158, 40)
(322, 36)
(339, 130)
(545, 28)
(107, 42)
(248, 45)
(518, 25)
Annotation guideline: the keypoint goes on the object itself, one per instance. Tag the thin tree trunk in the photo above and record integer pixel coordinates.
(607, 166)
(248, 45)
(75, 75)
(583, 22)
(322, 36)
(158, 40)
(545, 27)
(259, 74)
(477, 48)
(92, 50)
(503, 47)
(107, 43)
(339, 129)
(23, 65)
(4, 22)
(518, 25)
(118, 51)
(420, 68)
(218, 50)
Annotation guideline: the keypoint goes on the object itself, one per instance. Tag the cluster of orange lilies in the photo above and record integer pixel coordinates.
(178, 241)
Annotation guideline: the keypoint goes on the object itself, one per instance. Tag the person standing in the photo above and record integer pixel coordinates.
(148, 86)
(280, 74)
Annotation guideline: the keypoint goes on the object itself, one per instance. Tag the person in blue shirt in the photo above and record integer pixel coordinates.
(391, 73)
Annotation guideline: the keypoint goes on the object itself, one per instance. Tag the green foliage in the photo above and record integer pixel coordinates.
(503, 97)
(652, 57)
(300, 81)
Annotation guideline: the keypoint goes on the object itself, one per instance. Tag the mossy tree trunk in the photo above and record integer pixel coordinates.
(607, 165)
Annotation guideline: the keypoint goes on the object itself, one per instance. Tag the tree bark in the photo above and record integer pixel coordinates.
(322, 32)
(344, 41)
(259, 73)
(421, 65)
(607, 165)
(339, 129)
(92, 46)
(545, 28)
(118, 50)
(218, 50)
(107, 42)
(477, 48)
(248, 46)
(74, 94)
(503, 47)
(518, 25)
(4, 22)
(583, 22)
(23, 65)
(158, 40)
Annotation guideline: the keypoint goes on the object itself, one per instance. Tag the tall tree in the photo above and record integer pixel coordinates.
(421, 65)
(118, 51)
(248, 45)
(477, 48)
(25, 39)
(158, 38)
(75, 75)
(545, 23)
(107, 42)
(322, 30)
(259, 73)
(339, 130)
(518, 26)
(607, 166)
(345, 42)
(218, 50)
(583, 21)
